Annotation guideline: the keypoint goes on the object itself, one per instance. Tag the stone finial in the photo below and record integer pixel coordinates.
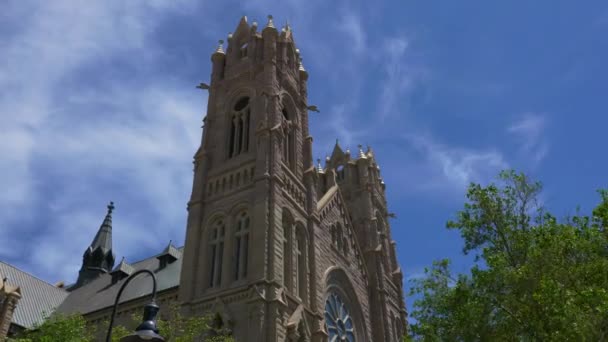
(301, 65)
(220, 48)
(270, 22)
(110, 207)
(319, 167)
(361, 154)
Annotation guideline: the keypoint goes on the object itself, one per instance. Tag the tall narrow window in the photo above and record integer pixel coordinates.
(241, 246)
(339, 236)
(289, 141)
(300, 264)
(216, 251)
(239, 128)
(287, 248)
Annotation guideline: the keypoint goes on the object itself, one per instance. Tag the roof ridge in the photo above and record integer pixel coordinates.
(33, 276)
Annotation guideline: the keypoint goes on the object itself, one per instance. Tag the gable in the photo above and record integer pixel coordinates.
(338, 228)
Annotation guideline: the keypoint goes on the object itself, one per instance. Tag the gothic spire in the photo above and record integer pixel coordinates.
(98, 258)
(361, 153)
(270, 22)
(103, 238)
(220, 48)
(319, 167)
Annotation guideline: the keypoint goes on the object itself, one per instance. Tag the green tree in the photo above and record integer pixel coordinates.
(536, 278)
(68, 328)
(174, 327)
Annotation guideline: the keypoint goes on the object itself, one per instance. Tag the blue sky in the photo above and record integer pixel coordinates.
(97, 103)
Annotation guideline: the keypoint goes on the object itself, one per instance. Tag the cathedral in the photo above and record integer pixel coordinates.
(279, 247)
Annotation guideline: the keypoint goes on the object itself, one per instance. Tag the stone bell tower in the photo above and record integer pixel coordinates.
(254, 164)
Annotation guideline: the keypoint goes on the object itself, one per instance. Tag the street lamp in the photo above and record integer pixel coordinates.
(147, 330)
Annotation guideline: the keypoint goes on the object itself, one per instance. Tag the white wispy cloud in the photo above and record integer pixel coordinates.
(529, 132)
(399, 77)
(350, 24)
(68, 149)
(453, 166)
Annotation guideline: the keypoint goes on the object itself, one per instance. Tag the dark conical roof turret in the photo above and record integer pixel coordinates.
(98, 258)
(103, 238)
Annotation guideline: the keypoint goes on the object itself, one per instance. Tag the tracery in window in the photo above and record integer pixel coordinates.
(216, 251)
(239, 128)
(241, 246)
(338, 320)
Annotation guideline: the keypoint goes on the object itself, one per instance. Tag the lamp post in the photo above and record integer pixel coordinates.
(147, 330)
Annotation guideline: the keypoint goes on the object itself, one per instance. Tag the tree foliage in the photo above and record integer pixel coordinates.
(68, 328)
(536, 278)
(173, 326)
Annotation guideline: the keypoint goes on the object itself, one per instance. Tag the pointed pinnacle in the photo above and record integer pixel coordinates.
(270, 22)
(361, 154)
(220, 49)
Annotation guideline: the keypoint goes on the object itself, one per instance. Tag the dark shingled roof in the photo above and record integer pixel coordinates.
(101, 293)
(38, 298)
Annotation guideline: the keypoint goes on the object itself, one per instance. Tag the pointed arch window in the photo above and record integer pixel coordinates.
(239, 128)
(338, 320)
(287, 248)
(339, 236)
(216, 251)
(300, 264)
(383, 240)
(288, 140)
(241, 246)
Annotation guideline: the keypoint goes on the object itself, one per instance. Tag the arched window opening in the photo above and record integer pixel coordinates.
(241, 246)
(346, 249)
(216, 250)
(289, 141)
(394, 323)
(301, 271)
(338, 320)
(383, 240)
(287, 248)
(239, 128)
(241, 104)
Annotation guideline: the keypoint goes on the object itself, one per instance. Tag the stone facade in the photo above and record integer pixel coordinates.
(9, 297)
(282, 248)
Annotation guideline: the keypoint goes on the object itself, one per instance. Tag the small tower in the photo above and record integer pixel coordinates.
(98, 258)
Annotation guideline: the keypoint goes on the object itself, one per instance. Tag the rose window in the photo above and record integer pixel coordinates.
(338, 320)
